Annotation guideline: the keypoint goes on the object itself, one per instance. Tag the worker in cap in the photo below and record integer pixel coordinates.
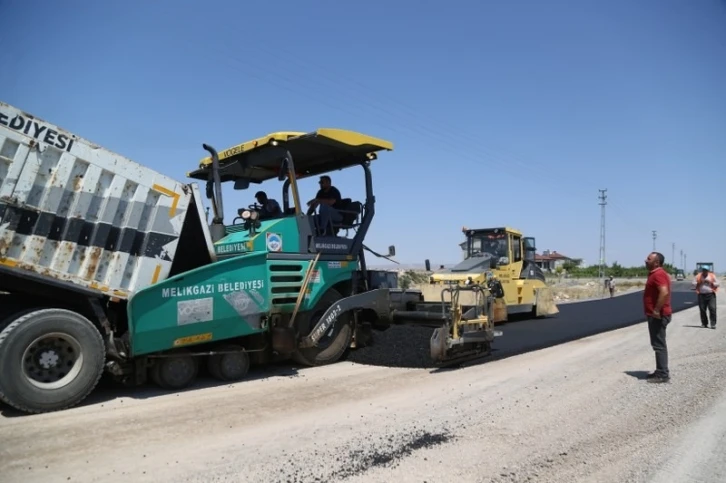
(706, 285)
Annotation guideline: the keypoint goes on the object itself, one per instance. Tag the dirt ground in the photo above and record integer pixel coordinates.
(574, 289)
(578, 412)
(578, 289)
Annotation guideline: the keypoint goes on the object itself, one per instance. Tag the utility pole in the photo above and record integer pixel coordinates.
(603, 201)
(654, 237)
(682, 264)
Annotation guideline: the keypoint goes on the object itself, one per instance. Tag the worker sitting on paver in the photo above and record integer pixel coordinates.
(329, 200)
(706, 285)
(270, 207)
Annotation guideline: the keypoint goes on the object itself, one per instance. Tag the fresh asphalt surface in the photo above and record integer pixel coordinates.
(582, 319)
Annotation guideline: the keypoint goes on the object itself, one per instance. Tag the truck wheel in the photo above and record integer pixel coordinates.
(9, 314)
(229, 367)
(50, 359)
(176, 370)
(335, 343)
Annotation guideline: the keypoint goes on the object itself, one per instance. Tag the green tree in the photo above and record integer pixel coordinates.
(616, 270)
(571, 265)
(411, 277)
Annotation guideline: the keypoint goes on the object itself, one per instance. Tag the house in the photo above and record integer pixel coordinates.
(547, 261)
(550, 260)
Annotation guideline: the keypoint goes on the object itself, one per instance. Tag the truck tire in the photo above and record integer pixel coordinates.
(229, 367)
(50, 359)
(333, 345)
(176, 371)
(8, 316)
(11, 308)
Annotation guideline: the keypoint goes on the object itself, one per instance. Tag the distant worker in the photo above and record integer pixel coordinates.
(657, 305)
(329, 200)
(270, 208)
(610, 283)
(706, 285)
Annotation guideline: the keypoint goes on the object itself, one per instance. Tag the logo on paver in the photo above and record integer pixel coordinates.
(274, 242)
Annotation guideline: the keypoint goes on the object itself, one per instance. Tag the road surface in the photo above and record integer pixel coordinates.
(409, 346)
(578, 411)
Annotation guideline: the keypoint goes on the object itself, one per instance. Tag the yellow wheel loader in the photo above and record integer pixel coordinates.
(503, 260)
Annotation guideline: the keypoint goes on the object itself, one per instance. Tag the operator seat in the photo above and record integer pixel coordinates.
(350, 210)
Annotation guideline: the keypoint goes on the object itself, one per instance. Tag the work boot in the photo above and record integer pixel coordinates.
(659, 378)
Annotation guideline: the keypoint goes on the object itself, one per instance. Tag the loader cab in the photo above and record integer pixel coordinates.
(501, 246)
(508, 252)
(282, 159)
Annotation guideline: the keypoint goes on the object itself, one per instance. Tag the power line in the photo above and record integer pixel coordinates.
(416, 126)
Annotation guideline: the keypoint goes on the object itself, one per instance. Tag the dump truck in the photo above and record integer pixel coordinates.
(503, 259)
(108, 266)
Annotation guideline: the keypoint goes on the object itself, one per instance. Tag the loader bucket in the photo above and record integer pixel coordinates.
(545, 302)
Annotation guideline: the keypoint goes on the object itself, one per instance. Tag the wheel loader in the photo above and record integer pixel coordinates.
(109, 266)
(504, 259)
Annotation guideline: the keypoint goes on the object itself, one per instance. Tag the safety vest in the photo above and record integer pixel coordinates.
(699, 281)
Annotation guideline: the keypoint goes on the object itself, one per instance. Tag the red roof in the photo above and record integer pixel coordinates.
(552, 256)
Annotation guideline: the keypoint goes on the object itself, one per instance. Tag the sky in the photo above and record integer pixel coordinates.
(501, 113)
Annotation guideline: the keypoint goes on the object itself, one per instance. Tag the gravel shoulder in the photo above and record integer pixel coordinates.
(575, 412)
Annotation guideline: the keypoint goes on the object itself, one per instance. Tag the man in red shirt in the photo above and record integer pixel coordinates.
(657, 305)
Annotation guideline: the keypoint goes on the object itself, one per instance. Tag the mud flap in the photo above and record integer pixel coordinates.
(545, 302)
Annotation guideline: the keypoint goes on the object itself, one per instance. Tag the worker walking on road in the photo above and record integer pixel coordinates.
(611, 286)
(657, 305)
(706, 285)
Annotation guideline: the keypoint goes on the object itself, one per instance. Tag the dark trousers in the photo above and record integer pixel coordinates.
(707, 301)
(657, 329)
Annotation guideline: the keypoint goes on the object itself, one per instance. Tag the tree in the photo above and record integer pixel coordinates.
(616, 270)
(411, 277)
(573, 264)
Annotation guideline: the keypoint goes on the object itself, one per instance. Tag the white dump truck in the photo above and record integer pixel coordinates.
(81, 229)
